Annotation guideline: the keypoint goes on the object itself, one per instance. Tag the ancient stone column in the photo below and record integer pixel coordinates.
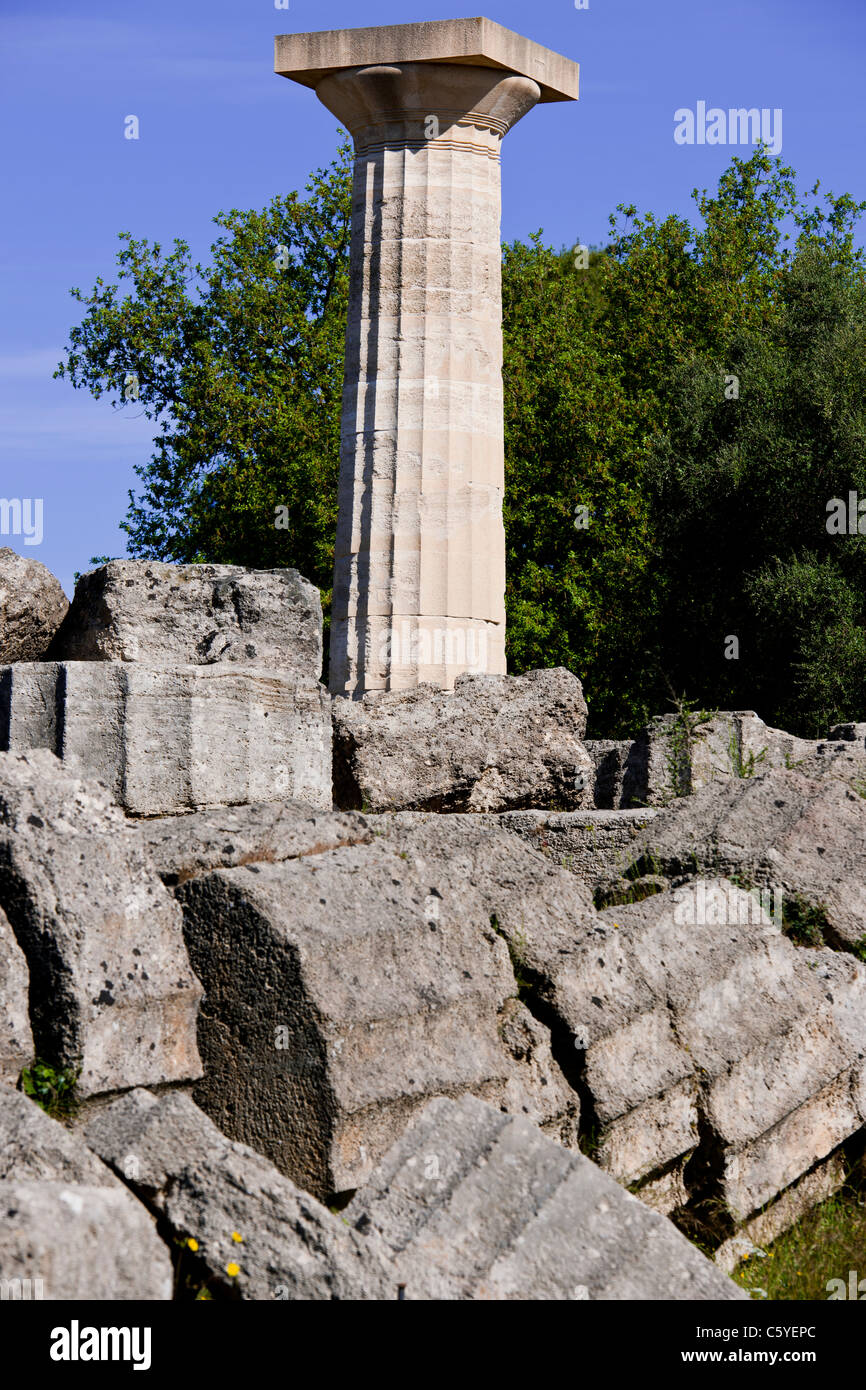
(419, 578)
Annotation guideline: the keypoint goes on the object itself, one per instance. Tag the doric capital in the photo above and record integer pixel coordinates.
(477, 43)
(412, 103)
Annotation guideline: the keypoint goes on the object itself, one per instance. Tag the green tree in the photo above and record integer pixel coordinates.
(577, 595)
(705, 509)
(739, 488)
(240, 366)
(742, 339)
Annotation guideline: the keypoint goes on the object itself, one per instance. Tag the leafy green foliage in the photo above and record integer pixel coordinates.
(580, 597)
(705, 506)
(803, 923)
(53, 1089)
(240, 365)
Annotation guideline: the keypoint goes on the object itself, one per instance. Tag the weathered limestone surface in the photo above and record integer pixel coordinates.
(346, 988)
(182, 847)
(510, 881)
(82, 1243)
(419, 577)
(700, 1032)
(590, 844)
(166, 740)
(743, 1040)
(805, 836)
(32, 607)
(111, 988)
(761, 1230)
(475, 1204)
(492, 744)
(28, 707)
(194, 615)
(844, 761)
(667, 760)
(186, 686)
(34, 1148)
(609, 759)
(16, 1039)
(202, 1185)
(67, 1221)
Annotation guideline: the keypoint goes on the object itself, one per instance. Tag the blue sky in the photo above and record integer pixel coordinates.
(219, 130)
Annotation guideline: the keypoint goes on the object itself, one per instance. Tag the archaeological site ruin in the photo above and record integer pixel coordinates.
(394, 984)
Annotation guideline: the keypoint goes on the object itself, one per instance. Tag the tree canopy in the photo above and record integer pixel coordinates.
(681, 405)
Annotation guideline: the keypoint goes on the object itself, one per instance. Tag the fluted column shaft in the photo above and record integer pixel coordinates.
(419, 576)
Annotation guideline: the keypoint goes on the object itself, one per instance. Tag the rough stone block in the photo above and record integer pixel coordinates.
(475, 1204)
(342, 991)
(844, 761)
(28, 707)
(111, 989)
(795, 1202)
(70, 1229)
(34, 1148)
(698, 1030)
(202, 1185)
(609, 759)
(32, 607)
(494, 743)
(668, 760)
(16, 1039)
(803, 835)
(182, 847)
(194, 615)
(81, 1243)
(167, 741)
(756, 1174)
(590, 844)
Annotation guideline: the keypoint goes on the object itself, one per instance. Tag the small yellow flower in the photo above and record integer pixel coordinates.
(192, 1243)
(236, 1237)
(233, 1270)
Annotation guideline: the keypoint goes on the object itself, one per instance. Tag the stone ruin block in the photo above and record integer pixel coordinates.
(801, 837)
(111, 992)
(343, 990)
(716, 1059)
(666, 761)
(181, 687)
(166, 740)
(609, 759)
(194, 615)
(71, 1230)
(199, 1182)
(494, 743)
(182, 847)
(16, 1039)
(475, 1204)
(32, 607)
